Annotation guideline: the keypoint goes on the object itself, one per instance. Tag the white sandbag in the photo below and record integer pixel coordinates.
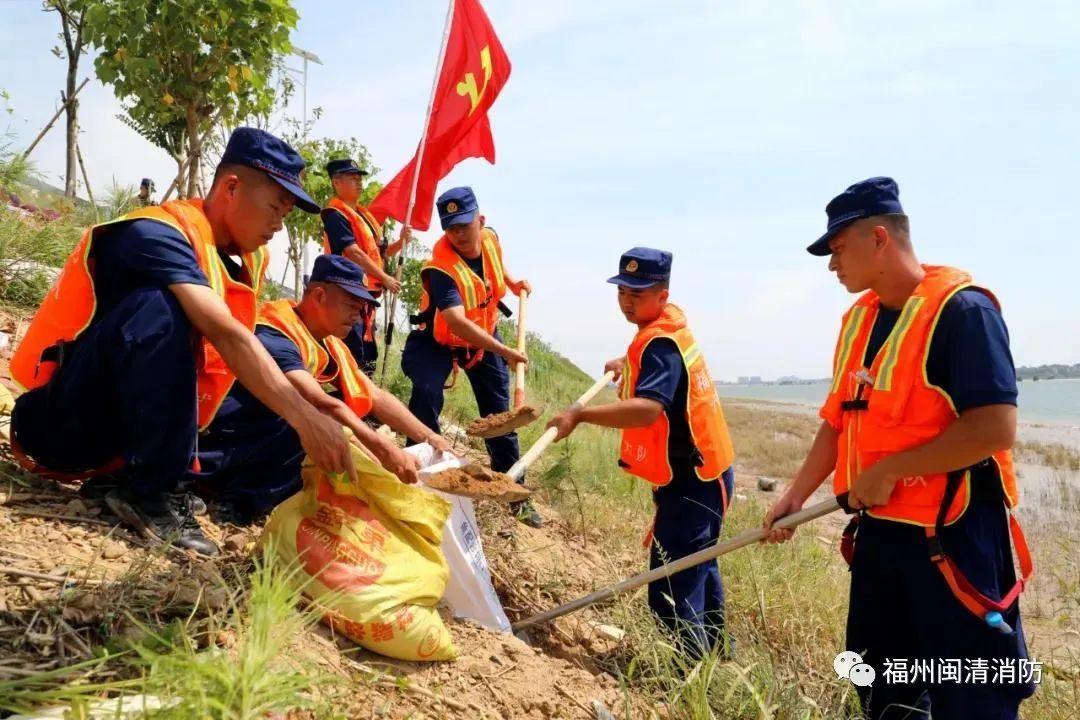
(469, 592)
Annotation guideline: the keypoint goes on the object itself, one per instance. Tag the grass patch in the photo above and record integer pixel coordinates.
(231, 657)
(1052, 455)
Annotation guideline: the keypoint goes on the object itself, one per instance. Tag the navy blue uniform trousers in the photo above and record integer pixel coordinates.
(901, 608)
(125, 388)
(428, 364)
(253, 473)
(365, 352)
(689, 516)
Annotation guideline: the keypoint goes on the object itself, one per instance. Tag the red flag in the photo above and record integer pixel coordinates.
(474, 69)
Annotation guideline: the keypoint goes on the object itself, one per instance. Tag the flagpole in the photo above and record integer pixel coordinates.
(392, 297)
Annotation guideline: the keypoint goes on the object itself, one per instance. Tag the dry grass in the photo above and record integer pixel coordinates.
(1053, 455)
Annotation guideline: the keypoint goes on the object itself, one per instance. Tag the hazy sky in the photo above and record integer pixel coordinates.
(715, 130)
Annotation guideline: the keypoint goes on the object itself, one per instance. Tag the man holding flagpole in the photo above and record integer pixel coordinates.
(350, 230)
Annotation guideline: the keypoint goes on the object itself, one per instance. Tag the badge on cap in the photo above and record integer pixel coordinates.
(631, 266)
(451, 207)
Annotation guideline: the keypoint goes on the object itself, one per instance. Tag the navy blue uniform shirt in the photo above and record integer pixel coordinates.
(969, 356)
(242, 414)
(338, 231)
(137, 254)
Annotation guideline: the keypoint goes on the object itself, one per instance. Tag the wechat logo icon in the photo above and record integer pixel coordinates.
(850, 666)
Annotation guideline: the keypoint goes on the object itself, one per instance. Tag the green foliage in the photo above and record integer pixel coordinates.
(14, 168)
(166, 132)
(188, 63)
(411, 287)
(120, 200)
(306, 227)
(254, 678)
(30, 250)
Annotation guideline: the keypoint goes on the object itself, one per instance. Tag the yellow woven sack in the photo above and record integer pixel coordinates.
(370, 557)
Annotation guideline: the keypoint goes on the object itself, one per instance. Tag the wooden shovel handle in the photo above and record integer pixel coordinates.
(519, 369)
(549, 435)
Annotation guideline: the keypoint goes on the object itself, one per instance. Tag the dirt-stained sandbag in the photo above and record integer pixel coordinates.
(369, 557)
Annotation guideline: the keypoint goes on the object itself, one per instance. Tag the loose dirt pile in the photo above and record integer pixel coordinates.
(476, 481)
(491, 426)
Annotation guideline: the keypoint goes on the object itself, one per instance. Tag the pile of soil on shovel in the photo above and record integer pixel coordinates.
(492, 425)
(476, 481)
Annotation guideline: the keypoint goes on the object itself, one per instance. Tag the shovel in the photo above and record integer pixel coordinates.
(499, 424)
(548, 437)
(475, 481)
(748, 537)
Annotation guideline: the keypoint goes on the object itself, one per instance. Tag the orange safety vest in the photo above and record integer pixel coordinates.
(644, 450)
(891, 406)
(365, 230)
(356, 389)
(70, 306)
(479, 296)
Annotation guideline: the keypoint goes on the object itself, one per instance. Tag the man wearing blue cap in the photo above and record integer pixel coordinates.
(917, 432)
(350, 230)
(250, 457)
(146, 192)
(674, 436)
(145, 331)
(464, 282)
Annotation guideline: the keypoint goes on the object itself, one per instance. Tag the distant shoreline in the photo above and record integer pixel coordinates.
(1042, 431)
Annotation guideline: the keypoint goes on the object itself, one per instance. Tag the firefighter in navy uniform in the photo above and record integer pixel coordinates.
(675, 437)
(917, 430)
(464, 282)
(350, 230)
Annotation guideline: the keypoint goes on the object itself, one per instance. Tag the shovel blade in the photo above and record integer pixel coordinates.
(491, 426)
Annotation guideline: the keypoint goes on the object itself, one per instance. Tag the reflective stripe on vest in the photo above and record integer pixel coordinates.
(356, 389)
(479, 296)
(891, 405)
(70, 305)
(644, 451)
(366, 232)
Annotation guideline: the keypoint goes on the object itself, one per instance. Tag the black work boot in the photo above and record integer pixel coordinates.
(167, 518)
(99, 486)
(526, 513)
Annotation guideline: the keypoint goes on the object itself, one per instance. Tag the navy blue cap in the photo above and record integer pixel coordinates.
(456, 206)
(262, 151)
(344, 165)
(873, 196)
(344, 273)
(147, 183)
(642, 267)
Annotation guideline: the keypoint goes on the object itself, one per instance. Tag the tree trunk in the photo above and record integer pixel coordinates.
(296, 256)
(72, 117)
(194, 152)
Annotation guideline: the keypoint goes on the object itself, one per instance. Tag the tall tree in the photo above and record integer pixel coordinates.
(189, 64)
(304, 228)
(71, 14)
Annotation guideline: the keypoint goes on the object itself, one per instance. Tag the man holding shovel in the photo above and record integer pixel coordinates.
(250, 458)
(464, 283)
(917, 430)
(675, 437)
